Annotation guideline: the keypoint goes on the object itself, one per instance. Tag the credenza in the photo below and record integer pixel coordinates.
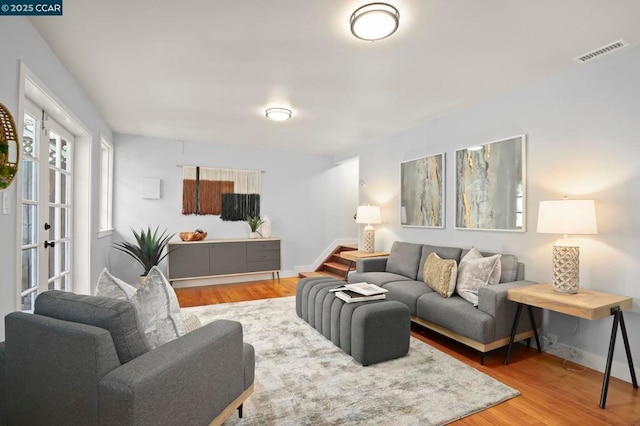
(212, 258)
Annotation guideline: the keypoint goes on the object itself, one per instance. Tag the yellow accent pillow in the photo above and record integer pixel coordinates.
(440, 274)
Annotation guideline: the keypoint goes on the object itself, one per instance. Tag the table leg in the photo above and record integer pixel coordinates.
(346, 276)
(513, 333)
(535, 327)
(612, 345)
(627, 348)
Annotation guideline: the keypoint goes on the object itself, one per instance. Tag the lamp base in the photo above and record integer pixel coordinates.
(566, 269)
(368, 239)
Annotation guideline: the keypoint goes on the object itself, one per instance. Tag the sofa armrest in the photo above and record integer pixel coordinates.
(493, 300)
(372, 264)
(189, 380)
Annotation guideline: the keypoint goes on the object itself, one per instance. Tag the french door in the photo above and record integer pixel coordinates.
(47, 206)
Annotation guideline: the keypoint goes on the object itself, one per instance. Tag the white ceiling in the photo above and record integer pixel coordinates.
(205, 70)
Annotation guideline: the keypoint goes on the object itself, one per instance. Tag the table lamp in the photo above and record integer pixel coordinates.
(371, 216)
(577, 217)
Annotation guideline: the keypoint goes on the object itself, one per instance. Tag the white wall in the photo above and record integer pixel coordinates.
(309, 199)
(582, 131)
(19, 41)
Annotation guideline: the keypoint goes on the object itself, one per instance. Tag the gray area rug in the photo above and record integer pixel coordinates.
(303, 379)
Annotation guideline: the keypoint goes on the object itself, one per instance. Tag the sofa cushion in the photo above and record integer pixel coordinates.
(442, 252)
(476, 271)
(155, 302)
(116, 316)
(377, 278)
(457, 315)
(407, 292)
(404, 259)
(508, 265)
(440, 274)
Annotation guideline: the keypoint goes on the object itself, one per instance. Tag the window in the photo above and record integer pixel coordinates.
(106, 188)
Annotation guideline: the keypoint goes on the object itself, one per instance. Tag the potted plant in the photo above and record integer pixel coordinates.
(254, 223)
(148, 248)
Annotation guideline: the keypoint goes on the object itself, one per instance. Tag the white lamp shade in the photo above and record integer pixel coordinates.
(576, 217)
(368, 215)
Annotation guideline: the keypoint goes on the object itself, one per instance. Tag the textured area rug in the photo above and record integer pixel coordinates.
(303, 379)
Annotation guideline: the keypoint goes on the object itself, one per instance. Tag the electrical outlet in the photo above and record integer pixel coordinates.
(552, 338)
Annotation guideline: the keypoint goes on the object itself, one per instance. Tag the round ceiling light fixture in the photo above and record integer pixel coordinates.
(374, 21)
(278, 114)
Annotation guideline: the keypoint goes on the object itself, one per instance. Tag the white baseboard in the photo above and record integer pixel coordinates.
(619, 370)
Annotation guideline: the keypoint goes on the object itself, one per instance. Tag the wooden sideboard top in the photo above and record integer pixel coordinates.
(224, 240)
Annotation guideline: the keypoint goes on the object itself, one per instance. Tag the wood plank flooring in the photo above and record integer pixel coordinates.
(550, 394)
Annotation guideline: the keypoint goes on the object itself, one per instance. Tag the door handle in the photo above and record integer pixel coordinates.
(48, 244)
(47, 226)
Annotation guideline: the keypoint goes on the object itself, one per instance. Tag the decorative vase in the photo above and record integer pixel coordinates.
(253, 235)
(265, 228)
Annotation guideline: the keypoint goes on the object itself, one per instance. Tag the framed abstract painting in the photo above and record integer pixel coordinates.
(422, 192)
(490, 186)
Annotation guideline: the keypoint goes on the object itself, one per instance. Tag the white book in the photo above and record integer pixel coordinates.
(366, 289)
(355, 297)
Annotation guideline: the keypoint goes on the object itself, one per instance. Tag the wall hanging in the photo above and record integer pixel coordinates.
(9, 148)
(232, 194)
(490, 186)
(422, 192)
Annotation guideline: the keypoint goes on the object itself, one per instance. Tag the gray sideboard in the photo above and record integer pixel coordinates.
(212, 258)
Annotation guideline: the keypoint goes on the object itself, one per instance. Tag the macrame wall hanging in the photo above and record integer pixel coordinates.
(232, 194)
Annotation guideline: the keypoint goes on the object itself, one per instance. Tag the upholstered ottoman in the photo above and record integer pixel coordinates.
(370, 332)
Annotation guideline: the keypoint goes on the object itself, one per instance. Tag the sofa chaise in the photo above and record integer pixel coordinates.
(484, 327)
(80, 360)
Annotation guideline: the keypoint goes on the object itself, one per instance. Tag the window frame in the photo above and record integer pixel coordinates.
(105, 207)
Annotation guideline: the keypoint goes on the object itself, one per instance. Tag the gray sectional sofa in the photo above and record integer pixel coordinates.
(484, 328)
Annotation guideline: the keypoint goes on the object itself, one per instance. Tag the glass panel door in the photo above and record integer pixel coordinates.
(30, 196)
(47, 209)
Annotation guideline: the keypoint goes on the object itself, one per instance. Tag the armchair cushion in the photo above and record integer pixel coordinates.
(116, 316)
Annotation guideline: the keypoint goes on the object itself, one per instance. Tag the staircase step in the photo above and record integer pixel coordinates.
(336, 265)
(320, 274)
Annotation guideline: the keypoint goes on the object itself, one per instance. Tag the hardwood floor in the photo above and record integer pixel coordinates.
(550, 394)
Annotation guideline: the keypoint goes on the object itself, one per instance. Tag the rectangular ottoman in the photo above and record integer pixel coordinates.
(370, 332)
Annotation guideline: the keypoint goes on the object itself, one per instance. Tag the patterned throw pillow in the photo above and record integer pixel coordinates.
(157, 309)
(475, 272)
(440, 274)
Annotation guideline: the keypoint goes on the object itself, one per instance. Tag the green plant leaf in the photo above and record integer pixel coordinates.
(148, 248)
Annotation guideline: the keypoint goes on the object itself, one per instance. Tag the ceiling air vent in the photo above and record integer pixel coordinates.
(604, 50)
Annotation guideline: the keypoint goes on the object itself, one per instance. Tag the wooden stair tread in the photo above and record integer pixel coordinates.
(319, 274)
(336, 265)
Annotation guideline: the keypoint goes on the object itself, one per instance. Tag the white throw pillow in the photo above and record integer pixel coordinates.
(157, 309)
(475, 272)
(113, 287)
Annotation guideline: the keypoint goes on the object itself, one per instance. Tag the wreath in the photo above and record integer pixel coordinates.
(8, 136)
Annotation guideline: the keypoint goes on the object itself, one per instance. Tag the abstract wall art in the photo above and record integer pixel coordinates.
(422, 192)
(232, 194)
(490, 186)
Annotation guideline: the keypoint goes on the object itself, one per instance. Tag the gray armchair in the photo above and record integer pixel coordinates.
(80, 360)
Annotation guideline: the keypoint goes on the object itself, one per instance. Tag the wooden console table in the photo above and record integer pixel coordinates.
(212, 258)
(353, 255)
(587, 304)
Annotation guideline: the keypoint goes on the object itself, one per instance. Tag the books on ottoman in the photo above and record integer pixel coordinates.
(359, 292)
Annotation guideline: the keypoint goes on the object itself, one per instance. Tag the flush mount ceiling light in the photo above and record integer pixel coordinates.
(374, 21)
(278, 114)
